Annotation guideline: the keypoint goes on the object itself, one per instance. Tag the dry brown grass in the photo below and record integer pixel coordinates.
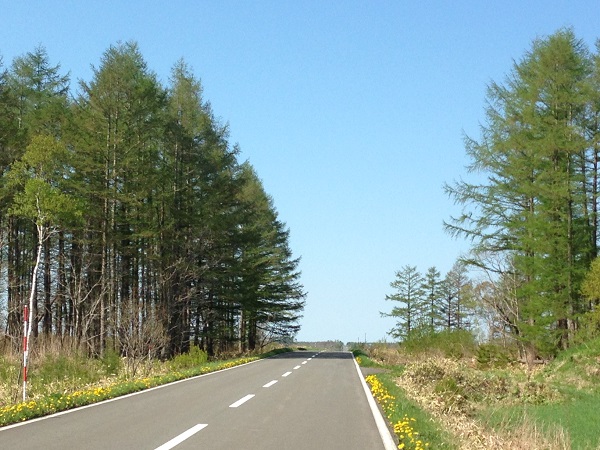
(386, 354)
(446, 389)
(452, 390)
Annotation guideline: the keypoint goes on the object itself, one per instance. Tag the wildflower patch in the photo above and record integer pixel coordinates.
(60, 402)
(405, 429)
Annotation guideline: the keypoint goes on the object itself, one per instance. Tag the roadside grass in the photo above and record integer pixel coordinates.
(363, 359)
(487, 399)
(61, 383)
(576, 418)
(575, 374)
(414, 427)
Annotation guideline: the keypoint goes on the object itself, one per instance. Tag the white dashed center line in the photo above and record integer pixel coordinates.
(182, 437)
(270, 383)
(286, 374)
(241, 401)
(296, 368)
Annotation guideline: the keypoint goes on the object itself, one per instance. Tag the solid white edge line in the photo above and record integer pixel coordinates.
(384, 431)
(270, 383)
(122, 397)
(241, 401)
(182, 437)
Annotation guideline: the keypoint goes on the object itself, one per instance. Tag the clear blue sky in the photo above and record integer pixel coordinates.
(352, 113)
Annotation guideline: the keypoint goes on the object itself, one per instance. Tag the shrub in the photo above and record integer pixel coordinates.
(111, 362)
(193, 358)
(493, 355)
(589, 327)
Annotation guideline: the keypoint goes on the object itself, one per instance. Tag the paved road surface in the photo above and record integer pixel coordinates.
(299, 400)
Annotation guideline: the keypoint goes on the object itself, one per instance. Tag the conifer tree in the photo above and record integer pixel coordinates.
(535, 205)
(272, 297)
(119, 122)
(432, 289)
(410, 295)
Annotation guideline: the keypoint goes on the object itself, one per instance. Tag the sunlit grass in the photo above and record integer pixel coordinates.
(576, 417)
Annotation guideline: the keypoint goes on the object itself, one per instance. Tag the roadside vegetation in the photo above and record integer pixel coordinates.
(128, 221)
(469, 396)
(61, 382)
(503, 349)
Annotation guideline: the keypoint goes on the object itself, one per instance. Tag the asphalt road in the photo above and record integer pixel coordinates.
(299, 400)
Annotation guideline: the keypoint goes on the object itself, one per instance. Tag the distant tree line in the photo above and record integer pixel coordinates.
(531, 212)
(126, 219)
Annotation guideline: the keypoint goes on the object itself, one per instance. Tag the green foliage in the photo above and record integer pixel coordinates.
(590, 287)
(111, 362)
(409, 293)
(493, 355)
(589, 327)
(195, 357)
(135, 190)
(533, 208)
(38, 177)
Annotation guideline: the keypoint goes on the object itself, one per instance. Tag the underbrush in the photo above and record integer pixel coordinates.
(572, 418)
(485, 398)
(453, 344)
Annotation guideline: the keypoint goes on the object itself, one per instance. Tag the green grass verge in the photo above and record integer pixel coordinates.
(577, 415)
(364, 360)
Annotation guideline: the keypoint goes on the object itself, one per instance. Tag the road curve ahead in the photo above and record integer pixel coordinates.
(299, 400)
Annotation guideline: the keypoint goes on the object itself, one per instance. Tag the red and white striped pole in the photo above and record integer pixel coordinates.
(25, 350)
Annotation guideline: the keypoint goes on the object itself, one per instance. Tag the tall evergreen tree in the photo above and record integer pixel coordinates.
(456, 307)
(432, 289)
(410, 295)
(535, 204)
(272, 297)
(120, 125)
